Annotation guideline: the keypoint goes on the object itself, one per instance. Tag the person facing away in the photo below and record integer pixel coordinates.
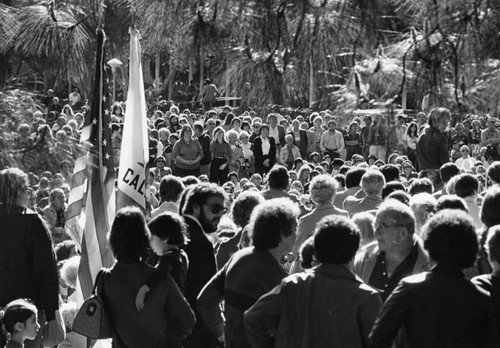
(326, 306)
(168, 236)
(439, 308)
(250, 272)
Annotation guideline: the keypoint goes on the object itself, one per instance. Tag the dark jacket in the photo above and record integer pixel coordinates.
(432, 149)
(327, 306)
(439, 308)
(202, 267)
(490, 283)
(27, 262)
(166, 318)
(259, 157)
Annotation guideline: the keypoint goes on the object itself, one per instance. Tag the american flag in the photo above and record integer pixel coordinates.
(92, 205)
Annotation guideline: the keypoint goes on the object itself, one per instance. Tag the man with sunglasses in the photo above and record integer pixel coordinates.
(202, 212)
(397, 252)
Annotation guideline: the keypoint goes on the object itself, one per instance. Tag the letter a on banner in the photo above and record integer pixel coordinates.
(134, 149)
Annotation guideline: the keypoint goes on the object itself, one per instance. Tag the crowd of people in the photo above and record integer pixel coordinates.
(265, 231)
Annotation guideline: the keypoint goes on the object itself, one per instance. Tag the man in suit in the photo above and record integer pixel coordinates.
(205, 205)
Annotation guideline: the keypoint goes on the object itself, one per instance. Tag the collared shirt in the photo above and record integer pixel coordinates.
(266, 146)
(380, 279)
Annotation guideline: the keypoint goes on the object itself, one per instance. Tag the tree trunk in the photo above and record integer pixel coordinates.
(4, 64)
(191, 70)
(157, 71)
(312, 83)
(202, 70)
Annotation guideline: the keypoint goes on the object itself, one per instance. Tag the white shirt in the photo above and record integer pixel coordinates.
(275, 134)
(465, 163)
(266, 146)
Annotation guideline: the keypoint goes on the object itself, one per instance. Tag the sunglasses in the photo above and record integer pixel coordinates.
(216, 209)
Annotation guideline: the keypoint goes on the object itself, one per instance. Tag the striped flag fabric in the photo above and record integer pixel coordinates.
(134, 154)
(91, 206)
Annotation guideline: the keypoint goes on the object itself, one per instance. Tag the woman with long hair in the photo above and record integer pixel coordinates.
(352, 141)
(187, 153)
(29, 268)
(221, 156)
(410, 139)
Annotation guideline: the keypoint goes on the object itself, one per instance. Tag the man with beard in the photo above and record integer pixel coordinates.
(205, 205)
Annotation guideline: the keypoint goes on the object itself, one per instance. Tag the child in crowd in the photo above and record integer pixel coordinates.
(168, 235)
(19, 322)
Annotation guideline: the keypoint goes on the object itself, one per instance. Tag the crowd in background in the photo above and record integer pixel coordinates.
(270, 231)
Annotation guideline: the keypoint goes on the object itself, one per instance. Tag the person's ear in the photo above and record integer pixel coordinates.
(196, 211)
(18, 327)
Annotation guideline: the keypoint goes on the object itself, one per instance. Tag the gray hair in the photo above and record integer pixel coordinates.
(372, 182)
(323, 189)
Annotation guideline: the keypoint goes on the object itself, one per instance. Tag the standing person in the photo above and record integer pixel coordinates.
(171, 188)
(323, 307)
(365, 131)
(276, 131)
(432, 146)
(204, 140)
(27, 259)
(187, 154)
(251, 272)
(299, 138)
(352, 141)
(395, 138)
(322, 191)
(410, 139)
(491, 135)
(166, 318)
(332, 141)
(378, 137)
(264, 149)
(397, 252)
(205, 205)
(55, 215)
(210, 92)
(466, 162)
(221, 155)
(439, 308)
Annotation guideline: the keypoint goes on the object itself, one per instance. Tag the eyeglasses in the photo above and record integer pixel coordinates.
(383, 226)
(217, 209)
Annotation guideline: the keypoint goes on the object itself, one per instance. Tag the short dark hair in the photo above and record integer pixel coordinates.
(400, 196)
(451, 202)
(244, 205)
(336, 240)
(306, 253)
(451, 239)
(392, 186)
(491, 207)
(340, 179)
(200, 194)
(278, 178)
(390, 172)
(494, 172)
(190, 180)
(421, 185)
(466, 185)
(129, 235)
(271, 221)
(64, 250)
(353, 177)
(448, 171)
(171, 188)
(169, 226)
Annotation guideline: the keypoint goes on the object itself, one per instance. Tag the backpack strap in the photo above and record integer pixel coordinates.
(98, 280)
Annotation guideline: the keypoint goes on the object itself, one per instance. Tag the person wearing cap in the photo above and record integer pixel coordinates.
(264, 151)
(491, 135)
(332, 141)
(408, 171)
(336, 164)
